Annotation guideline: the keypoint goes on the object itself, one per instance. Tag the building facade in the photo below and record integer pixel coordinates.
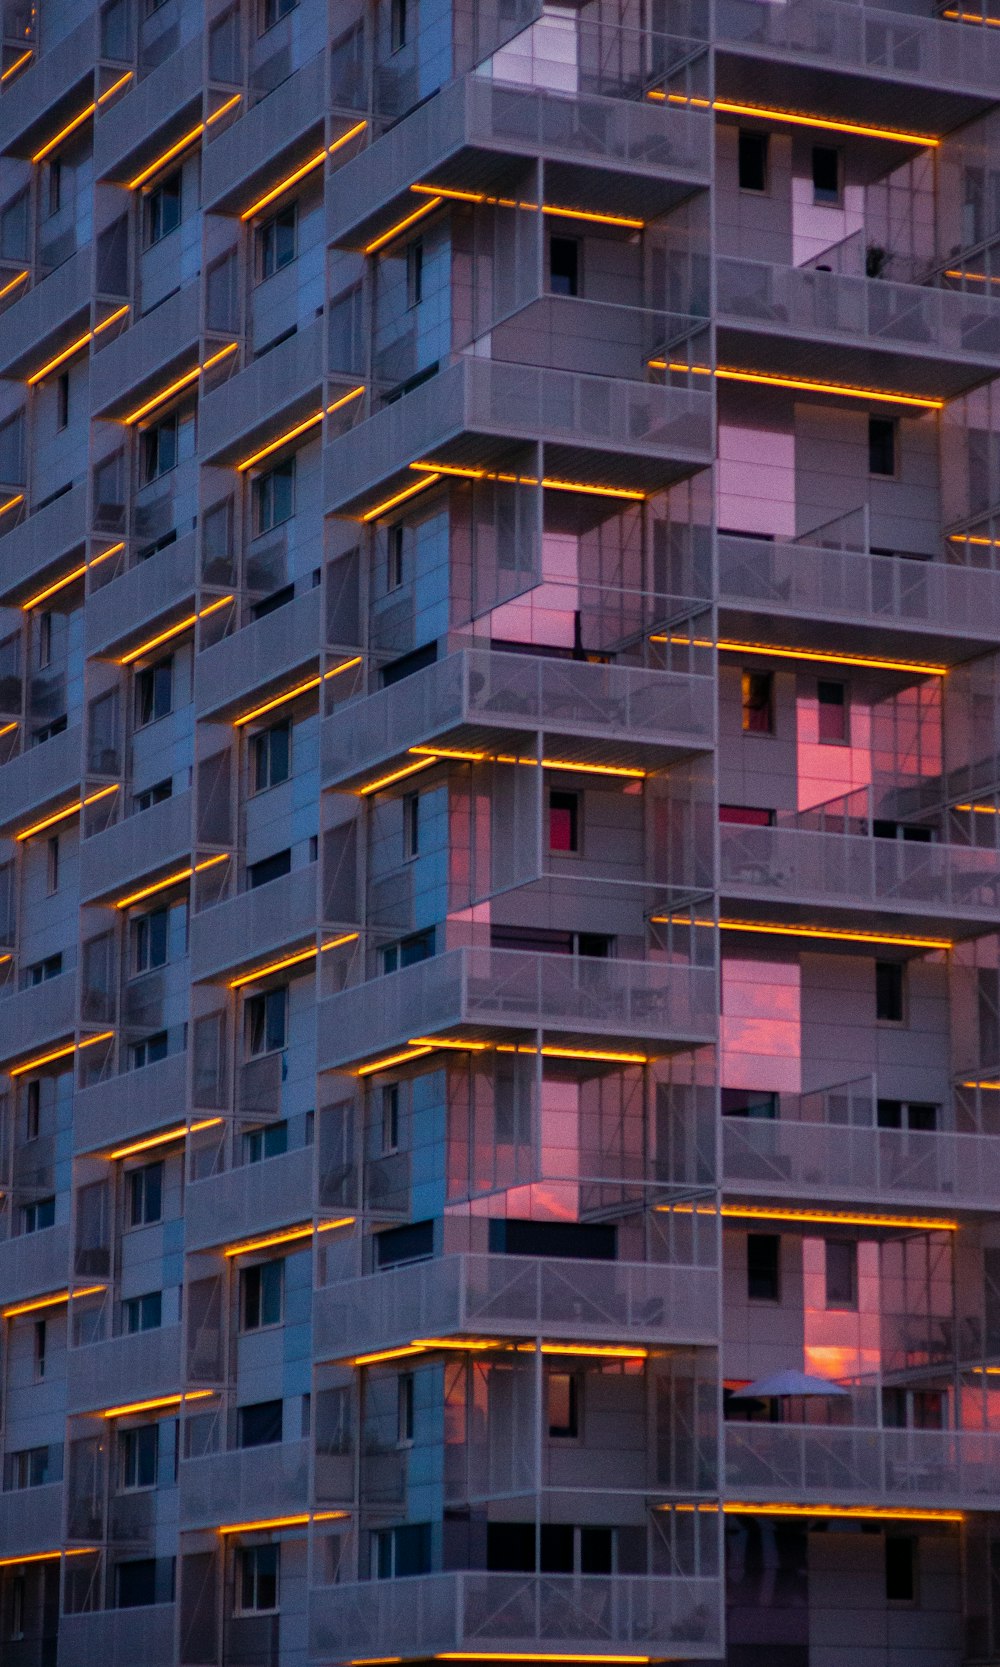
(499, 797)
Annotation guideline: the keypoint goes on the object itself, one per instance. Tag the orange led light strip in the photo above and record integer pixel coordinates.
(78, 120)
(848, 390)
(288, 1235)
(403, 1057)
(578, 1657)
(183, 143)
(180, 1132)
(263, 1524)
(316, 161)
(75, 346)
(54, 1300)
(300, 428)
(49, 1556)
(172, 631)
(170, 880)
(994, 1087)
(59, 1053)
(157, 1403)
(824, 656)
(973, 17)
(829, 1218)
(62, 815)
(419, 1046)
(12, 284)
(797, 118)
(295, 960)
(294, 693)
(180, 383)
(69, 578)
(434, 755)
(401, 497)
(18, 63)
(877, 1513)
(12, 503)
(554, 485)
(837, 933)
(401, 774)
(443, 191)
(404, 224)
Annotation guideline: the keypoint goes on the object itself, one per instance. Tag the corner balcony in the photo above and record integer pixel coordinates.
(826, 1464)
(513, 1297)
(891, 69)
(157, 111)
(31, 1520)
(252, 1199)
(579, 1618)
(35, 1264)
(119, 1637)
(608, 155)
(507, 995)
(808, 595)
(40, 778)
(483, 701)
(127, 1368)
(269, 141)
(823, 1161)
(48, 317)
(269, 396)
(50, 92)
(154, 349)
(134, 603)
(43, 546)
(126, 1107)
(595, 429)
(254, 925)
(244, 669)
(224, 1488)
(794, 874)
(113, 861)
(34, 1017)
(867, 332)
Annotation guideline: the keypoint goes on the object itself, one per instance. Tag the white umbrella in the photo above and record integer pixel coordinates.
(787, 1383)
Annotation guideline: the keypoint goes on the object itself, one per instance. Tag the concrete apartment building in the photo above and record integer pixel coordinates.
(499, 789)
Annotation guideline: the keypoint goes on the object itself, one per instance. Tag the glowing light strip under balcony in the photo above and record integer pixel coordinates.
(419, 1047)
(829, 1218)
(434, 754)
(396, 775)
(18, 63)
(630, 494)
(62, 815)
(59, 1053)
(12, 284)
(576, 1658)
(796, 117)
(179, 1132)
(289, 1235)
(182, 144)
(293, 178)
(403, 225)
(49, 1556)
(69, 578)
(293, 433)
(440, 191)
(78, 120)
(727, 645)
(994, 1087)
(294, 693)
(841, 934)
(173, 631)
(178, 384)
(876, 1513)
(12, 503)
(174, 879)
(972, 17)
(272, 1524)
(799, 384)
(74, 347)
(157, 1403)
(54, 1300)
(294, 960)
(401, 497)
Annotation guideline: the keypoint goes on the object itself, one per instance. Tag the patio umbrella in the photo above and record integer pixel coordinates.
(787, 1383)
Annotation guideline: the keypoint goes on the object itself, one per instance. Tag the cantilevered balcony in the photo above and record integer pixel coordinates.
(506, 995)
(126, 1107)
(512, 1297)
(127, 1368)
(797, 875)
(160, 837)
(621, 156)
(41, 777)
(254, 924)
(807, 595)
(32, 1018)
(482, 701)
(34, 1264)
(601, 430)
(272, 395)
(133, 604)
(255, 1482)
(245, 668)
(31, 1520)
(48, 317)
(116, 1637)
(50, 92)
(253, 1199)
(269, 141)
(162, 107)
(833, 1465)
(43, 546)
(892, 69)
(156, 348)
(867, 332)
(477, 1613)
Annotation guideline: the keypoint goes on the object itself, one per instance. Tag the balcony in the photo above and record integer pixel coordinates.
(595, 429)
(119, 1637)
(59, 306)
(798, 593)
(35, 779)
(240, 1486)
(43, 1013)
(49, 93)
(245, 668)
(824, 1161)
(271, 395)
(795, 874)
(474, 1613)
(42, 545)
(644, 1007)
(831, 1465)
(156, 112)
(510, 1297)
(243, 162)
(132, 604)
(609, 155)
(133, 1368)
(126, 1107)
(31, 1520)
(162, 344)
(35, 1264)
(160, 837)
(784, 320)
(254, 925)
(855, 63)
(253, 1199)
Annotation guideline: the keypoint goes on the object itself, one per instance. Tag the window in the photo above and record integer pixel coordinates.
(832, 699)
(564, 265)
(411, 825)
(841, 1273)
(145, 1194)
(746, 816)
(563, 1398)
(274, 497)
(163, 209)
(257, 1579)
(270, 756)
(41, 1347)
(272, 11)
(400, 1552)
(406, 953)
(41, 971)
(763, 1256)
(267, 1021)
(752, 160)
(394, 557)
(826, 174)
(152, 796)
(44, 640)
(39, 1215)
(46, 731)
(397, 25)
(415, 273)
(28, 1468)
(33, 1111)
(390, 1118)
(268, 869)
(137, 1456)
(748, 1102)
(158, 449)
(881, 446)
(149, 1051)
(143, 1313)
(396, 1245)
(262, 1295)
(154, 692)
(405, 1409)
(277, 241)
(758, 702)
(889, 992)
(150, 935)
(135, 1583)
(900, 1568)
(18, 1595)
(55, 184)
(898, 1114)
(260, 1424)
(267, 1142)
(62, 401)
(52, 864)
(564, 821)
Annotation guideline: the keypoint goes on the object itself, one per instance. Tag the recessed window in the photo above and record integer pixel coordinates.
(564, 820)
(881, 446)
(52, 864)
(260, 1425)
(33, 1111)
(35, 1217)
(266, 1018)
(154, 691)
(62, 401)
(763, 1267)
(746, 816)
(145, 1194)
(262, 1295)
(269, 1141)
(889, 992)
(757, 693)
(30, 1467)
(143, 1313)
(563, 1405)
(41, 971)
(748, 1102)
(41, 1348)
(398, 24)
(415, 273)
(825, 174)
(752, 160)
(274, 497)
(55, 186)
(163, 209)
(900, 1568)
(150, 940)
(136, 1583)
(411, 825)
(405, 1409)
(270, 755)
(158, 449)
(832, 702)
(394, 557)
(148, 1051)
(272, 11)
(257, 1579)
(564, 265)
(390, 1119)
(841, 1274)
(406, 953)
(151, 796)
(137, 1456)
(277, 241)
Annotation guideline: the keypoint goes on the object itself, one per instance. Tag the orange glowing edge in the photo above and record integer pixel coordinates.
(798, 118)
(294, 692)
(158, 1403)
(70, 578)
(59, 1053)
(183, 143)
(293, 178)
(174, 879)
(419, 1046)
(300, 956)
(534, 1655)
(264, 1524)
(178, 384)
(180, 1131)
(186, 624)
(768, 379)
(54, 1300)
(62, 815)
(837, 934)
(875, 1513)
(830, 1218)
(553, 483)
(289, 1235)
(49, 1556)
(435, 755)
(823, 656)
(80, 118)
